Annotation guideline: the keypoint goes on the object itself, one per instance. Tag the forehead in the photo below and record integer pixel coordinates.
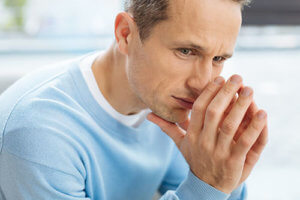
(205, 21)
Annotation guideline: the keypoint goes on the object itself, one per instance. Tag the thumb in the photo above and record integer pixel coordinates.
(171, 129)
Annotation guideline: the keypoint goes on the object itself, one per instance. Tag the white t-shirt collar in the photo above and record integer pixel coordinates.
(86, 70)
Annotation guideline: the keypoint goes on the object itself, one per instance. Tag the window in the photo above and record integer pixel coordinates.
(34, 33)
(56, 26)
(276, 12)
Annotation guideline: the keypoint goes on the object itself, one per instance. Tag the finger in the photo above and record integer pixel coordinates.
(252, 110)
(228, 110)
(200, 105)
(217, 107)
(230, 105)
(171, 129)
(261, 142)
(250, 135)
(255, 152)
(234, 118)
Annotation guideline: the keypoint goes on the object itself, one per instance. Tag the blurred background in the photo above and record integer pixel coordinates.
(36, 33)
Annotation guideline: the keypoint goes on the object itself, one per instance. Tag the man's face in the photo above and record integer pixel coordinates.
(182, 54)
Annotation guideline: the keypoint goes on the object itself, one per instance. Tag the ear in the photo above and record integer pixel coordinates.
(124, 29)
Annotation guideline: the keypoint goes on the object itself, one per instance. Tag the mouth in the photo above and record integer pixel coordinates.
(184, 102)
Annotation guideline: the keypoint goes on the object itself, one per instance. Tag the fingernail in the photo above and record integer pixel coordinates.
(246, 92)
(235, 79)
(261, 115)
(219, 80)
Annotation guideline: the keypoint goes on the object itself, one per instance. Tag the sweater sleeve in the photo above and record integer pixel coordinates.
(26, 180)
(181, 184)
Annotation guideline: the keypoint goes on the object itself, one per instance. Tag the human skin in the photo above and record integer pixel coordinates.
(223, 139)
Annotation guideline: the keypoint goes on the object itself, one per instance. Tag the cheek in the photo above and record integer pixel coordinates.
(217, 71)
(156, 73)
(150, 83)
(149, 70)
(142, 78)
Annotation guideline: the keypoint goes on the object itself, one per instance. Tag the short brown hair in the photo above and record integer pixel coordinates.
(148, 13)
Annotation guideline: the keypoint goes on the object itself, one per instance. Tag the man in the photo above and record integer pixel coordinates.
(78, 130)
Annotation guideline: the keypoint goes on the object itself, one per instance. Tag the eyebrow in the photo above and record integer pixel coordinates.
(199, 48)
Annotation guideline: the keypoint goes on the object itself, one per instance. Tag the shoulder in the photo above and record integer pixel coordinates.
(41, 129)
(28, 85)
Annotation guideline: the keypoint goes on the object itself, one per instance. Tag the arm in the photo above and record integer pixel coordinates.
(26, 180)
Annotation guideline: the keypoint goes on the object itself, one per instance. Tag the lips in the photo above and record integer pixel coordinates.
(185, 102)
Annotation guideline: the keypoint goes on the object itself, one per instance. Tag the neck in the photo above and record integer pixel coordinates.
(109, 70)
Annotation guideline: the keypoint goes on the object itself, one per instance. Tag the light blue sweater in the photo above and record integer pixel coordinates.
(56, 142)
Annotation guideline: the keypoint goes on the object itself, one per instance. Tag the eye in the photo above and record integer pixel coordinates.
(185, 51)
(219, 59)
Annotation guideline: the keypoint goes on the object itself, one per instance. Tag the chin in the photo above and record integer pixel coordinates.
(168, 111)
(174, 115)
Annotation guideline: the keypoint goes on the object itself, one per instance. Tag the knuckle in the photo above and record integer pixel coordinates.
(211, 88)
(263, 143)
(256, 126)
(218, 155)
(233, 160)
(230, 162)
(241, 102)
(204, 146)
(227, 126)
(198, 107)
(211, 112)
(227, 90)
(221, 153)
(245, 142)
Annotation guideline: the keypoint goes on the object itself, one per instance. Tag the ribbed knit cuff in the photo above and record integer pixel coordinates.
(239, 193)
(193, 188)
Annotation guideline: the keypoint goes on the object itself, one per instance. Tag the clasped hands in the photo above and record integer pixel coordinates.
(225, 135)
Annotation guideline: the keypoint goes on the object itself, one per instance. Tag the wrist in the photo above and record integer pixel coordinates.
(194, 188)
(215, 183)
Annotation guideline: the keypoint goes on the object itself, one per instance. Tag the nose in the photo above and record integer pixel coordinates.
(200, 76)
